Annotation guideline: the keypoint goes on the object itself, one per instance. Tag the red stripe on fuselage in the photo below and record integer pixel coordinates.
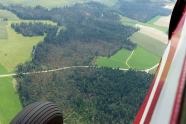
(143, 106)
(179, 96)
(174, 43)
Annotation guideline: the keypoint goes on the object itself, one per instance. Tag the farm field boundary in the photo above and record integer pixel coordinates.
(115, 61)
(154, 19)
(143, 59)
(163, 21)
(163, 29)
(154, 33)
(148, 43)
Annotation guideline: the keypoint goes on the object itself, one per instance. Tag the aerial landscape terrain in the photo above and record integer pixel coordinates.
(94, 59)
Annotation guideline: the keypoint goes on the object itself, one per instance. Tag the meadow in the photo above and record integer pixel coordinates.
(148, 43)
(128, 24)
(6, 14)
(10, 104)
(51, 3)
(115, 61)
(126, 19)
(143, 59)
(3, 32)
(16, 49)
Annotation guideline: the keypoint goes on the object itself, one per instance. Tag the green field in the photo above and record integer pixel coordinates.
(6, 14)
(163, 29)
(3, 32)
(152, 21)
(143, 59)
(50, 3)
(129, 24)
(9, 105)
(126, 19)
(18, 0)
(148, 43)
(16, 49)
(3, 71)
(115, 61)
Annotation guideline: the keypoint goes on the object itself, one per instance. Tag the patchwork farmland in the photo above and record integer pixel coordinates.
(148, 43)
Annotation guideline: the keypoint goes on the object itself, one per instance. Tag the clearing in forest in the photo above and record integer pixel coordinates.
(115, 61)
(154, 33)
(148, 43)
(10, 105)
(163, 21)
(143, 59)
(16, 49)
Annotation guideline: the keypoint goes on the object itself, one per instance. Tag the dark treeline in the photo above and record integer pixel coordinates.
(36, 29)
(79, 13)
(143, 10)
(94, 95)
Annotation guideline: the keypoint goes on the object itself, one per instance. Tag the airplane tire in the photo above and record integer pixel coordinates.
(39, 113)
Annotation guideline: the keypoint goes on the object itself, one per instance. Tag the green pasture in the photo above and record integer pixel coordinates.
(3, 32)
(50, 3)
(6, 14)
(148, 43)
(143, 59)
(126, 19)
(18, 0)
(163, 29)
(16, 49)
(108, 2)
(115, 61)
(3, 71)
(3, 23)
(152, 21)
(10, 104)
(128, 24)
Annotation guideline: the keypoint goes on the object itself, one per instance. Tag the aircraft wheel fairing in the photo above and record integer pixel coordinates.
(39, 113)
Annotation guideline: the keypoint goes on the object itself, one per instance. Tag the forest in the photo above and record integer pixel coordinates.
(36, 29)
(82, 35)
(142, 10)
(90, 95)
(94, 95)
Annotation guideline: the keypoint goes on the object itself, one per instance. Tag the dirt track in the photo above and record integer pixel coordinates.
(154, 33)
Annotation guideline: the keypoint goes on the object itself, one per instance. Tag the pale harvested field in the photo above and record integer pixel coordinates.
(154, 33)
(169, 6)
(163, 21)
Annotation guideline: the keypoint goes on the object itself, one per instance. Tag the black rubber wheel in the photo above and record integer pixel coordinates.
(39, 113)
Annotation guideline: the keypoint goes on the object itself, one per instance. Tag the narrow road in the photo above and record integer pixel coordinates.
(8, 75)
